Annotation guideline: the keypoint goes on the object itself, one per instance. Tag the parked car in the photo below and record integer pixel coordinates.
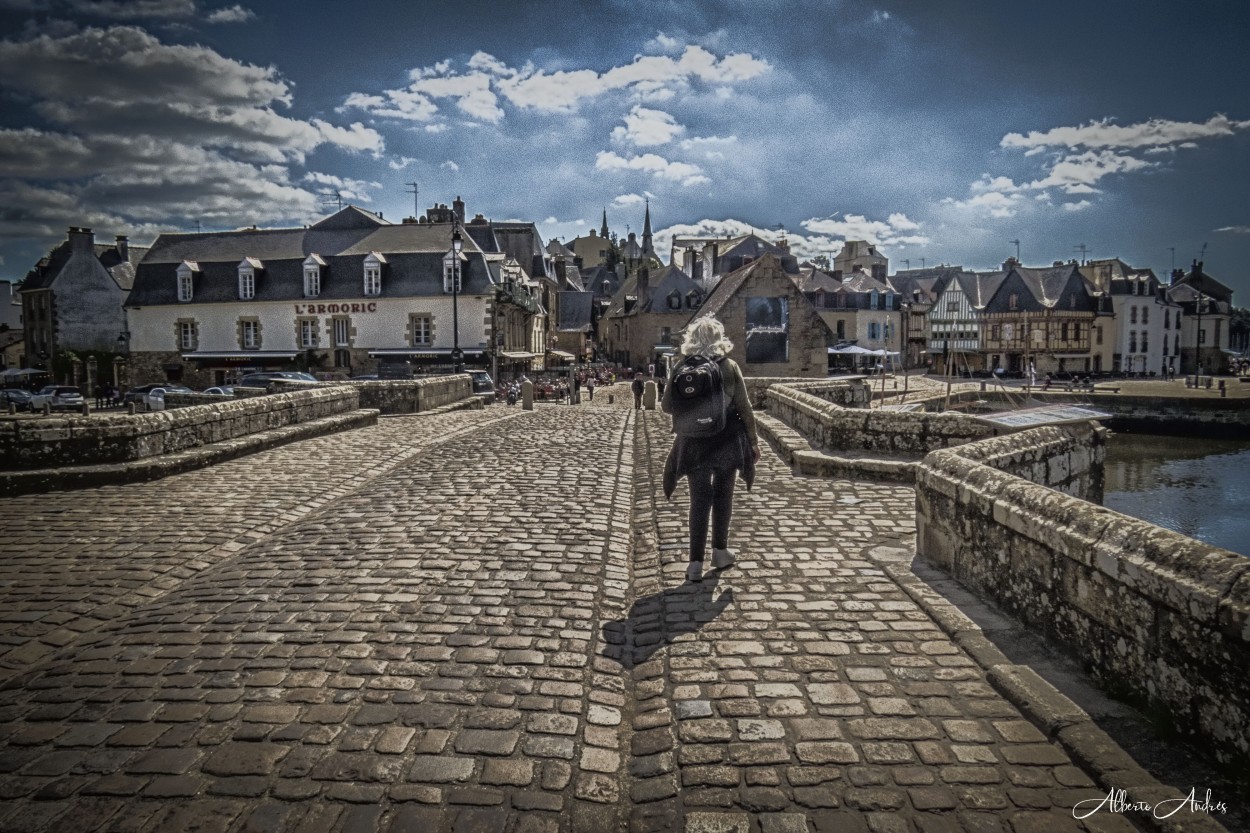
(57, 396)
(139, 395)
(17, 397)
(155, 399)
(263, 380)
(481, 381)
(220, 390)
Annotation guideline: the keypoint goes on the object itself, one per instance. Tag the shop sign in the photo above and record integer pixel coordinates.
(335, 309)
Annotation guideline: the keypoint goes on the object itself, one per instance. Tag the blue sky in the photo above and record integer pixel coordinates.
(941, 132)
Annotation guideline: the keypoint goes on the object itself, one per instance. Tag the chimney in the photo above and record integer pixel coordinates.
(123, 248)
(81, 240)
(644, 286)
(458, 207)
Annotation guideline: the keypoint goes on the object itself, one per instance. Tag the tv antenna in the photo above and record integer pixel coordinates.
(922, 263)
(1202, 253)
(416, 205)
(1172, 249)
(906, 263)
(1083, 249)
(1017, 242)
(332, 196)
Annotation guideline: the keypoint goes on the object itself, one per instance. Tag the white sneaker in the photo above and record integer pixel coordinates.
(722, 559)
(695, 571)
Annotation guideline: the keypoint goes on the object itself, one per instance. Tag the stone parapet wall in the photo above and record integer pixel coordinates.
(413, 396)
(825, 424)
(47, 442)
(1162, 619)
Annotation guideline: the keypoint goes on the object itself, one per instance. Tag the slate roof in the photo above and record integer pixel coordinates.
(594, 277)
(930, 282)
(980, 287)
(574, 311)
(812, 279)
(755, 247)
(659, 286)
(414, 261)
(1204, 283)
(557, 249)
(863, 282)
(45, 273)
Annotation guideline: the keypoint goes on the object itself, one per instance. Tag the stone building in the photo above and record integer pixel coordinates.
(918, 290)
(351, 294)
(774, 327)
(1207, 308)
(1145, 327)
(72, 308)
(645, 320)
(861, 256)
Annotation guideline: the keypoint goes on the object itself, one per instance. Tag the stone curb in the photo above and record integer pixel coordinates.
(803, 459)
(15, 483)
(1060, 719)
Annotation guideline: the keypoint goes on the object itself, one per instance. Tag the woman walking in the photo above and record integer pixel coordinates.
(713, 463)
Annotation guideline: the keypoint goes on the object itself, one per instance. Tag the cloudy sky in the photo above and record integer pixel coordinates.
(943, 132)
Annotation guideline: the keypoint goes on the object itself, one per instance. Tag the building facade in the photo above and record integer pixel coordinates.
(350, 295)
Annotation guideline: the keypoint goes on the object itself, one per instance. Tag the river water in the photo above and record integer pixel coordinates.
(1197, 487)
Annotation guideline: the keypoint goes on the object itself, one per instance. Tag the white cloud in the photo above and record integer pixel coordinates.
(450, 166)
(681, 172)
(997, 204)
(1234, 229)
(1079, 173)
(1105, 134)
(142, 133)
(232, 14)
(664, 44)
(400, 163)
(477, 92)
(859, 227)
(645, 127)
(1077, 206)
(628, 199)
(356, 190)
(823, 234)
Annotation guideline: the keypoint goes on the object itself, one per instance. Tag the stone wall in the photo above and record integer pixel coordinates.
(45, 442)
(831, 426)
(413, 396)
(1163, 620)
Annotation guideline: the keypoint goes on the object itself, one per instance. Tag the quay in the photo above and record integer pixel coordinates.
(477, 621)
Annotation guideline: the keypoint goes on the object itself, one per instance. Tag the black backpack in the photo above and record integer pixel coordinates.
(698, 398)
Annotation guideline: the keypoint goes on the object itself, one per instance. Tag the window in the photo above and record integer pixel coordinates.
(342, 332)
(841, 329)
(1145, 341)
(249, 334)
(422, 330)
(674, 300)
(1132, 342)
(1076, 330)
(1013, 301)
(1132, 315)
(313, 265)
(450, 273)
(247, 279)
(307, 333)
(342, 358)
(874, 329)
(373, 273)
(693, 299)
(1099, 335)
(1176, 344)
(952, 306)
(996, 332)
(873, 299)
(1145, 315)
(186, 335)
(186, 282)
(666, 335)
(1063, 331)
(1202, 336)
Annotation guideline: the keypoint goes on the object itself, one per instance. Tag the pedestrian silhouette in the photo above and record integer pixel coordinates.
(656, 620)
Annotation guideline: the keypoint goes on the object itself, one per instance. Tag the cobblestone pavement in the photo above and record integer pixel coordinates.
(449, 623)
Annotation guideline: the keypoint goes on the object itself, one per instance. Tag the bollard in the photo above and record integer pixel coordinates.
(86, 409)
(611, 398)
(12, 409)
(130, 408)
(47, 409)
(1223, 392)
(649, 395)
(527, 395)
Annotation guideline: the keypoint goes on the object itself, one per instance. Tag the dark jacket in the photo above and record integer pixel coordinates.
(732, 448)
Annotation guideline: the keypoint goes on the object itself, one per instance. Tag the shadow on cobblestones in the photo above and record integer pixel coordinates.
(657, 620)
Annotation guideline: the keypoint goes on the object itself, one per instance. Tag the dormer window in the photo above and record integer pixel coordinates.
(313, 264)
(248, 267)
(451, 273)
(674, 300)
(373, 273)
(1013, 301)
(873, 299)
(186, 282)
(693, 299)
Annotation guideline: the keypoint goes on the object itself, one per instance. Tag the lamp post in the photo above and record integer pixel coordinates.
(457, 244)
(1198, 339)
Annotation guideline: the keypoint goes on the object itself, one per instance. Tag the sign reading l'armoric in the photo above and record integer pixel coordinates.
(335, 309)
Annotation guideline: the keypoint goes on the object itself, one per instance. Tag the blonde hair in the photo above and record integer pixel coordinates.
(706, 337)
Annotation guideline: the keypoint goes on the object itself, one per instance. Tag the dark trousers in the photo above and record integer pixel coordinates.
(637, 401)
(711, 493)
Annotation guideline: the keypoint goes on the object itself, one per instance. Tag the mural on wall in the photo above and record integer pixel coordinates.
(768, 330)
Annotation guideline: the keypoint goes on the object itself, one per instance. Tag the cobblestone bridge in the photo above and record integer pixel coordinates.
(476, 621)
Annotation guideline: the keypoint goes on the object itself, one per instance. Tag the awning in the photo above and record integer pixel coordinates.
(422, 353)
(242, 354)
(24, 371)
(664, 348)
(560, 354)
(852, 350)
(516, 357)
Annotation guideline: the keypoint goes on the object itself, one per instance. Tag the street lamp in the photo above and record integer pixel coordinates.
(1198, 335)
(457, 244)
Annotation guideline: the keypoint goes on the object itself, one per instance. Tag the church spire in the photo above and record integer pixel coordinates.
(646, 233)
(603, 230)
